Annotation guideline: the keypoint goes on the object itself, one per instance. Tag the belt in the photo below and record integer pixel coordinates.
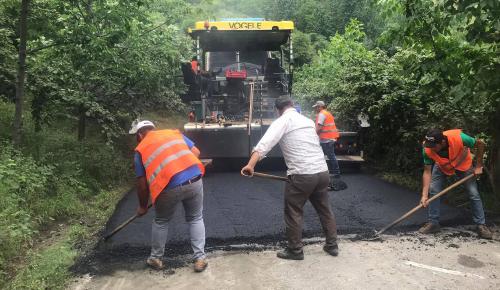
(192, 180)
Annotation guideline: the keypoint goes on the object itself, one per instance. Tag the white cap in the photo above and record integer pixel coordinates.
(319, 103)
(136, 126)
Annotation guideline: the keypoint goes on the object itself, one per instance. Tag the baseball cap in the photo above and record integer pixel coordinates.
(433, 137)
(319, 103)
(136, 126)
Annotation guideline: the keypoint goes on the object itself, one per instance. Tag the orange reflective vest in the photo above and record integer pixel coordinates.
(194, 66)
(164, 153)
(328, 129)
(459, 157)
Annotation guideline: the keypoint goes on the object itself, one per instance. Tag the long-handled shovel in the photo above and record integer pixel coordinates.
(269, 176)
(264, 175)
(376, 234)
(124, 224)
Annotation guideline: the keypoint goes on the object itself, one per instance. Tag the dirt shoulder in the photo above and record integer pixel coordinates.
(453, 259)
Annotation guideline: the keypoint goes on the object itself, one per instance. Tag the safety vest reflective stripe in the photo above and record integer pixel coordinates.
(326, 131)
(459, 159)
(160, 149)
(164, 153)
(167, 161)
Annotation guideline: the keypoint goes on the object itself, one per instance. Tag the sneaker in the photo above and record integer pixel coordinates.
(290, 255)
(484, 232)
(200, 265)
(332, 249)
(155, 263)
(429, 228)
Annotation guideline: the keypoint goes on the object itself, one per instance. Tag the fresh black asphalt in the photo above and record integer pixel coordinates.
(244, 209)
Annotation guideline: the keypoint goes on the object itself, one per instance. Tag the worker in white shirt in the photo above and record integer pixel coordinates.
(307, 173)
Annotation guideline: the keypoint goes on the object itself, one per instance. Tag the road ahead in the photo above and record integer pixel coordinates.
(246, 210)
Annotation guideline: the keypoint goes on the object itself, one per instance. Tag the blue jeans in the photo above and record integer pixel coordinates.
(191, 196)
(329, 150)
(438, 184)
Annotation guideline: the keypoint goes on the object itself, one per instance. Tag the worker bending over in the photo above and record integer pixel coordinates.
(445, 154)
(169, 172)
(307, 174)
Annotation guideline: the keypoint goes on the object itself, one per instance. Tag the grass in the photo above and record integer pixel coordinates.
(53, 179)
(47, 269)
(48, 266)
(401, 179)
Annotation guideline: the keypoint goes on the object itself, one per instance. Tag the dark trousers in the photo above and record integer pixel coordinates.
(329, 150)
(312, 187)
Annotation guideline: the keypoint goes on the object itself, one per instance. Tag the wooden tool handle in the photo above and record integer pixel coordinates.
(124, 224)
(263, 175)
(415, 209)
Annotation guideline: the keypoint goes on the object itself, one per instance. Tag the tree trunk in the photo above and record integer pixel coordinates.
(81, 123)
(495, 155)
(21, 74)
(496, 172)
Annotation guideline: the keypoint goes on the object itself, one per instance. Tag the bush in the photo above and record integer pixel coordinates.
(31, 194)
(442, 83)
(353, 79)
(52, 177)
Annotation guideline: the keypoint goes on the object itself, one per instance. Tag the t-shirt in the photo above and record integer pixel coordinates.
(321, 118)
(177, 179)
(466, 139)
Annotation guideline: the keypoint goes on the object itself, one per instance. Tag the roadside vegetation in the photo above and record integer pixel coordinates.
(91, 67)
(435, 64)
(74, 74)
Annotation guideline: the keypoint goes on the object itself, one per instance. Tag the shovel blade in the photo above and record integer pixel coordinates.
(367, 236)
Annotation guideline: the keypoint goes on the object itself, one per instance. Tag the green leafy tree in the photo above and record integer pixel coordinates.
(353, 79)
(108, 62)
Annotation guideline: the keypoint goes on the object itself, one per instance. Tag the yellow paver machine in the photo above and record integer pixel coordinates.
(241, 66)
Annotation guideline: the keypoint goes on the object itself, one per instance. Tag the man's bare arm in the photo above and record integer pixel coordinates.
(195, 151)
(249, 168)
(479, 151)
(143, 195)
(426, 182)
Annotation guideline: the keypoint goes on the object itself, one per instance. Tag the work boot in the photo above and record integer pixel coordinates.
(429, 228)
(336, 184)
(290, 254)
(155, 263)
(332, 249)
(484, 232)
(200, 265)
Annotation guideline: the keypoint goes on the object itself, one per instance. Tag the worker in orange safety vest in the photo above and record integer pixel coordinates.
(445, 154)
(168, 171)
(194, 65)
(328, 135)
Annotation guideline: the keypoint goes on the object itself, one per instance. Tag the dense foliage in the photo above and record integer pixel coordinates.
(99, 61)
(354, 79)
(437, 66)
(92, 67)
